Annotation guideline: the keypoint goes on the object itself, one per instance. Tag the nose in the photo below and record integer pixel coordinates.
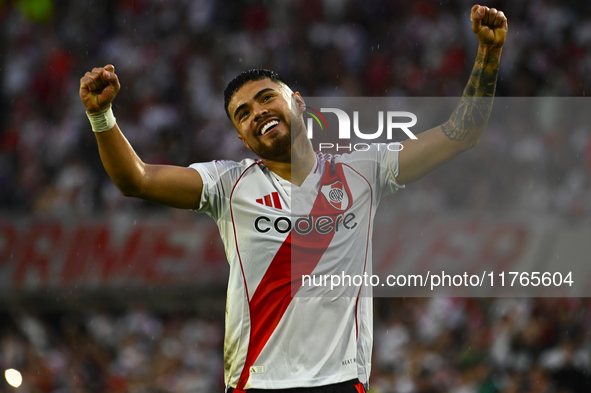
(259, 111)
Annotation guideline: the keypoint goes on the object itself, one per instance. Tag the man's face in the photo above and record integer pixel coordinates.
(260, 111)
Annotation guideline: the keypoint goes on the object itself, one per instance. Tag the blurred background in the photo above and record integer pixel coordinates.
(102, 293)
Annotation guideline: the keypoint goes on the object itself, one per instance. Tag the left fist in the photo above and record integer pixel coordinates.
(489, 25)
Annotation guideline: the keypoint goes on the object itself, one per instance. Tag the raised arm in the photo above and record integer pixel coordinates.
(164, 184)
(461, 132)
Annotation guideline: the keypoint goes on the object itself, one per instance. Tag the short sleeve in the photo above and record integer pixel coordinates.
(389, 169)
(379, 165)
(217, 185)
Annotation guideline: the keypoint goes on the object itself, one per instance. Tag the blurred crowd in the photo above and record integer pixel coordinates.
(421, 346)
(175, 57)
(433, 345)
(100, 351)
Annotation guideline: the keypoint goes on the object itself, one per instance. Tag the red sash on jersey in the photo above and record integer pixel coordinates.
(274, 293)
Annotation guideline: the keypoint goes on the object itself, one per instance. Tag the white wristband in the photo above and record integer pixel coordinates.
(102, 121)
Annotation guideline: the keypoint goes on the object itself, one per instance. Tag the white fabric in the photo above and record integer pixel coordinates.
(322, 338)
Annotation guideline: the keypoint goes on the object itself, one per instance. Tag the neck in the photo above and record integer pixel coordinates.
(300, 165)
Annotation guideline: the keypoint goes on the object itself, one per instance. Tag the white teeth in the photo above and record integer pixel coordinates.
(268, 125)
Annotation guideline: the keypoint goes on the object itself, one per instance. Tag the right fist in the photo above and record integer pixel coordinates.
(98, 88)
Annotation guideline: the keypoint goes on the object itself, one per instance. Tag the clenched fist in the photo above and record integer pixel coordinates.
(98, 88)
(489, 25)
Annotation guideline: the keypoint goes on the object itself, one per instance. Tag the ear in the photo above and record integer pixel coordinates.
(244, 141)
(299, 102)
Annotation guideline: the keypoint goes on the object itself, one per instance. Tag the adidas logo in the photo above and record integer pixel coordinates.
(271, 200)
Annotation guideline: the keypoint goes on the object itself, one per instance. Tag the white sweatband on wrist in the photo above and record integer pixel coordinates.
(102, 121)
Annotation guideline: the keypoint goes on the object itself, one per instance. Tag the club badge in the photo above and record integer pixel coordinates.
(336, 195)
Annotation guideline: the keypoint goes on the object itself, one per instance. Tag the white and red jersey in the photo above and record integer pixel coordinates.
(274, 233)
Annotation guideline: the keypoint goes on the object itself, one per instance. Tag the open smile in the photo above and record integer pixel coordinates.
(268, 127)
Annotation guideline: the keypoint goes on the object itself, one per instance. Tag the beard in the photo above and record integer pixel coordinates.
(279, 150)
(282, 144)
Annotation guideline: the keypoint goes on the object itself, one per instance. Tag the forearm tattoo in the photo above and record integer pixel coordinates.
(475, 105)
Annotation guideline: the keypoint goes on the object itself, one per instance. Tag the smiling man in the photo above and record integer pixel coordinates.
(262, 107)
(275, 340)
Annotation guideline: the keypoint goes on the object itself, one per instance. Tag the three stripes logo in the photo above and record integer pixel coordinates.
(271, 200)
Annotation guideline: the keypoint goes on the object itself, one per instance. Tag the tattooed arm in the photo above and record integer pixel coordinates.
(470, 117)
(437, 146)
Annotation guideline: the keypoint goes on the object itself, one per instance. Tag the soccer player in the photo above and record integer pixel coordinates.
(275, 340)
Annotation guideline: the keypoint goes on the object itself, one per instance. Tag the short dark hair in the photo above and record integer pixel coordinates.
(247, 76)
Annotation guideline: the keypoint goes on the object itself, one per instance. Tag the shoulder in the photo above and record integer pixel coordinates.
(225, 173)
(367, 152)
(224, 166)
